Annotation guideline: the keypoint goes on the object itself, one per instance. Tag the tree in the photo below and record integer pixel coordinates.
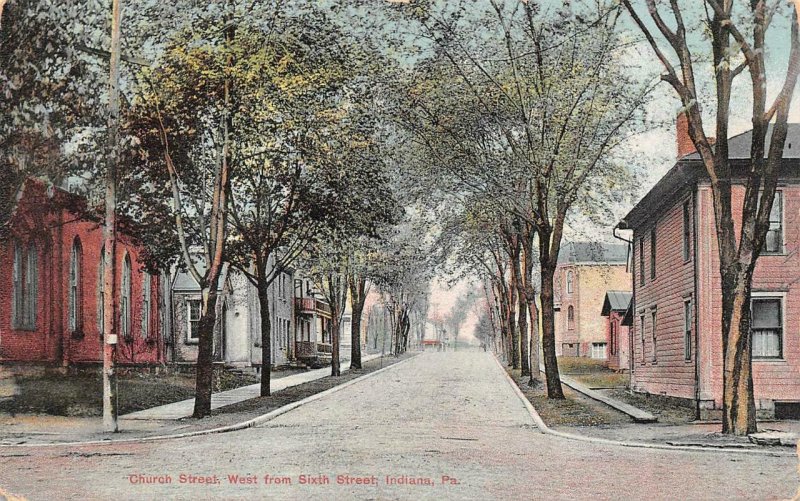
(528, 116)
(49, 89)
(738, 36)
(184, 122)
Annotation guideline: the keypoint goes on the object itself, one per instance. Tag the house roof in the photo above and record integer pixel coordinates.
(592, 252)
(616, 301)
(627, 318)
(685, 173)
(739, 145)
(185, 282)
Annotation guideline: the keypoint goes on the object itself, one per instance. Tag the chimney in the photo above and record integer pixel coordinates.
(685, 144)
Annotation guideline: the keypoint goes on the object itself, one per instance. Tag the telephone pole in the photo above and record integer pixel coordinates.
(110, 232)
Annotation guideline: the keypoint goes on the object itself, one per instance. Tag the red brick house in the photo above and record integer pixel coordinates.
(50, 295)
(615, 305)
(676, 331)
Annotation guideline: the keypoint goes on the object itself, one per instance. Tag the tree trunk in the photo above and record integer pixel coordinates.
(548, 333)
(266, 339)
(738, 401)
(530, 302)
(357, 298)
(534, 320)
(512, 326)
(522, 317)
(335, 334)
(205, 351)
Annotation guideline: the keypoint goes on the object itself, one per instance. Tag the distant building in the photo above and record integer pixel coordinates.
(676, 319)
(312, 338)
(237, 333)
(51, 288)
(584, 273)
(618, 340)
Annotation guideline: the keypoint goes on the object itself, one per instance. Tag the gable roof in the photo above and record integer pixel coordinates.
(616, 301)
(739, 145)
(690, 168)
(592, 252)
(185, 282)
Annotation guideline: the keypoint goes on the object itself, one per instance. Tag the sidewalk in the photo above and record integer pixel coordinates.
(598, 415)
(184, 408)
(43, 430)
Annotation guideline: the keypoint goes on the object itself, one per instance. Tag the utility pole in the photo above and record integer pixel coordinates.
(110, 231)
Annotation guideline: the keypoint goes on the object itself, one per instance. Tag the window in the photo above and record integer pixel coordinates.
(767, 327)
(598, 350)
(687, 232)
(569, 282)
(101, 297)
(687, 330)
(25, 282)
(125, 298)
(653, 254)
(773, 244)
(613, 336)
(145, 305)
(655, 336)
(571, 318)
(641, 261)
(641, 331)
(193, 320)
(75, 292)
(17, 307)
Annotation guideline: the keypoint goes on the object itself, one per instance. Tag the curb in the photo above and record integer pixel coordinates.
(543, 428)
(223, 429)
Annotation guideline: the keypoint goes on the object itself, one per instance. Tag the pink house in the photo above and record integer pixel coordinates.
(675, 313)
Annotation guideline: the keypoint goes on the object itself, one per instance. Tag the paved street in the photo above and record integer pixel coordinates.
(439, 414)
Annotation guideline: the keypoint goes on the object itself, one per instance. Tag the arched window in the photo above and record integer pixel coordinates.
(31, 285)
(101, 289)
(571, 318)
(17, 305)
(145, 305)
(125, 298)
(613, 337)
(25, 283)
(75, 289)
(569, 282)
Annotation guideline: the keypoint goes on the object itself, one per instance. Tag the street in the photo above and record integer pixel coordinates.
(439, 426)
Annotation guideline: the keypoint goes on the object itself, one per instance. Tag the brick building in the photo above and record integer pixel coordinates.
(584, 273)
(51, 293)
(676, 317)
(618, 339)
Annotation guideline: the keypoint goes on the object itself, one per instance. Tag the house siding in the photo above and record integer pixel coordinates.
(774, 380)
(670, 373)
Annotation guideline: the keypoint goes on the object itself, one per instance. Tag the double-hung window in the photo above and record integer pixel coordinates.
(75, 292)
(773, 244)
(125, 298)
(653, 254)
(145, 305)
(766, 325)
(25, 283)
(687, 232)
(193, 310)
(687, 330)
(654, 336)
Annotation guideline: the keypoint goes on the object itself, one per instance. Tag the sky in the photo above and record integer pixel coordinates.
(655, 150)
